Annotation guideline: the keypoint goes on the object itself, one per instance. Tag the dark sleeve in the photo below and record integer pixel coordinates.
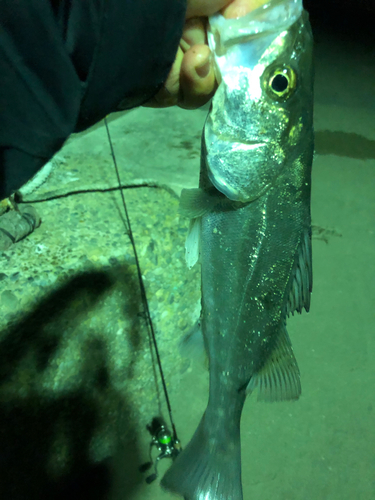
(66, 64)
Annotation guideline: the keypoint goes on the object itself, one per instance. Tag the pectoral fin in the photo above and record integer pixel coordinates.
(196, 202)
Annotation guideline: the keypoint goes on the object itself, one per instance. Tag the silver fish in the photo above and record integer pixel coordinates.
(252, 215)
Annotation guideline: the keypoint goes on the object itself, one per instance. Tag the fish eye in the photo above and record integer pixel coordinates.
(279, 82)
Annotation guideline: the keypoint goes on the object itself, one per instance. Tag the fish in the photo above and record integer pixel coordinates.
(251, 230)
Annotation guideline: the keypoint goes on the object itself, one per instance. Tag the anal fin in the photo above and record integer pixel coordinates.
(279, 377)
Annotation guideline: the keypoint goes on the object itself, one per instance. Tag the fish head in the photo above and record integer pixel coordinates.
(261, 115)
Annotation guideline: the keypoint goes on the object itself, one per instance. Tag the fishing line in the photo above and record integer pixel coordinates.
(147, 314)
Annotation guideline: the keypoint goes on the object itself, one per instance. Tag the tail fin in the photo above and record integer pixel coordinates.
(207, 468)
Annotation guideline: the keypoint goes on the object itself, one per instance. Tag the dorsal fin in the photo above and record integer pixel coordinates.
(301, 285)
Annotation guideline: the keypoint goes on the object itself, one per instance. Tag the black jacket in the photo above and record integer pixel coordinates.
(66, 64)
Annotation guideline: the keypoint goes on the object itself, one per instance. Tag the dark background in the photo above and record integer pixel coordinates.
(347, 19)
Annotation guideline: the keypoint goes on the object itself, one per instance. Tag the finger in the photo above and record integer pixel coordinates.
(197, 8)
(197, 77)
(168, 95)
(239, 8)
(195, 31)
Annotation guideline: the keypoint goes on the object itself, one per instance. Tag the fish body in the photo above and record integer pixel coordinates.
(252, 214)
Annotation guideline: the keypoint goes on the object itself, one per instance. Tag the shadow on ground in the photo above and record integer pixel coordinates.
(46, 434)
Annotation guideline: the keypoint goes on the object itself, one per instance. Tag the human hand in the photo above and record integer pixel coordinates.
(191, 81)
